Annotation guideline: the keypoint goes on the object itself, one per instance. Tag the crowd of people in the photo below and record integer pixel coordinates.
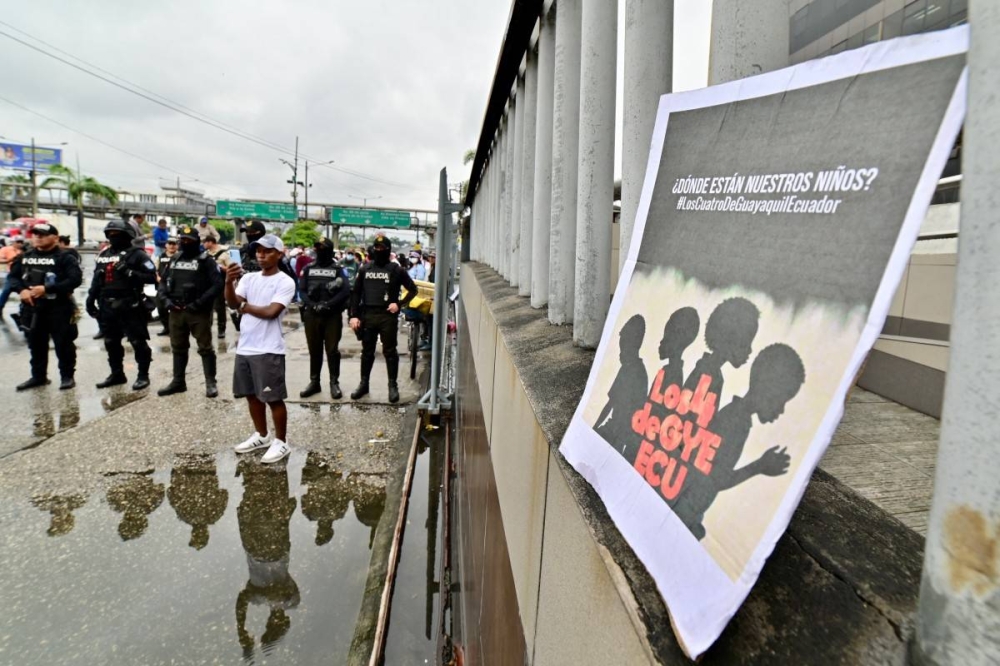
(199, 282)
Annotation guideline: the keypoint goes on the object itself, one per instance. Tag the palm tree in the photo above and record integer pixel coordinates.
(17, 183)
(469, 155)
(79, 186)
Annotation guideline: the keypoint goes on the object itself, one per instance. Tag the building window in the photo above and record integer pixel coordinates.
(892, 26)
(872, 34)
(914, 14)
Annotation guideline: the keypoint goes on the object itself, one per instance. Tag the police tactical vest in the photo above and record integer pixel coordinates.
(165, 265)
(321, 276)
(35, 266)
(114, 282)
(184, 279)
(377, 286)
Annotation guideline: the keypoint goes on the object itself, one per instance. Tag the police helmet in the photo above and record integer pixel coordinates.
(382, 240)
(121, 226)
(187, 231)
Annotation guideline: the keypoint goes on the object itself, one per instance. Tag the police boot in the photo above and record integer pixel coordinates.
(392, 369)
(177, 384)
(366, 371)
(312, 388)
(335, 391)
(142, 381)
(116, 378)
(208, 365)
(32, 383)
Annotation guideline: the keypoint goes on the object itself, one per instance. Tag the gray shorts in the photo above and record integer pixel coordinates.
(260, 375)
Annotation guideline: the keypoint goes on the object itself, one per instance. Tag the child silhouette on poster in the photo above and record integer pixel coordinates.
(775, 378)
(729, 336)
(628, 392)
(679, 332)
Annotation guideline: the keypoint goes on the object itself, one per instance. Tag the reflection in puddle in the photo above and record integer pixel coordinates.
(53, 413)
(61, 507)
(264, 515)
(135, 498)
(188, 563)
(327, 497)
(118, 397)
(196, 497)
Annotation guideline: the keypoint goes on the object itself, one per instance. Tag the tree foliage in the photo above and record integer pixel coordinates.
(18, 183)
(302, 233)
(79, 186)
(226, 229)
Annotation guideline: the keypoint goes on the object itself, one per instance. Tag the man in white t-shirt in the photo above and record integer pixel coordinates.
(259, 375)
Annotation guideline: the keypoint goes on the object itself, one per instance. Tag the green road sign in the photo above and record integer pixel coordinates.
(255, 209)
(368, 217)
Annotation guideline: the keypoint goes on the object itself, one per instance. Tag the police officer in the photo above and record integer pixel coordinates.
(375, 308)
(116, 300)
(325, 293)
(45, 277)
(254, 231)
(162, 264)
(193, 282)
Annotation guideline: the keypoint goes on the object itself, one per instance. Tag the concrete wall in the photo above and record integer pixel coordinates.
(556, 569)
(910, 359)
(544, 577)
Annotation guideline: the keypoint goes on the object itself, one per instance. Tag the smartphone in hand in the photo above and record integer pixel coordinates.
(234, 255)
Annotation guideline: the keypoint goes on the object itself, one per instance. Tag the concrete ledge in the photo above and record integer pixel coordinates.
(841, 585)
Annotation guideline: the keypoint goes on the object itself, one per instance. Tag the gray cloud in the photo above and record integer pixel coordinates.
(391, 89)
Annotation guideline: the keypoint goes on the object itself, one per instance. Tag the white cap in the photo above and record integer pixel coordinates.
(269, 241)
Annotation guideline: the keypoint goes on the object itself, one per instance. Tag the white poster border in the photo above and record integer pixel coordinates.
(685, 561)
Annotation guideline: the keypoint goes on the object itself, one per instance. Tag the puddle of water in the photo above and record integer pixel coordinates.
(211, 560)
(414, 616)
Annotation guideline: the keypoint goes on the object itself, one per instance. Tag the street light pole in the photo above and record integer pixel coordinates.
(364, 204)
(34, 182)
(295, 178)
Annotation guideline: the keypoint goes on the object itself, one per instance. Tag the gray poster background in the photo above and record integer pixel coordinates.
(798, 258)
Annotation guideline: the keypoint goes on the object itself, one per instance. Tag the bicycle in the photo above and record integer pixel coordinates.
(416, 320)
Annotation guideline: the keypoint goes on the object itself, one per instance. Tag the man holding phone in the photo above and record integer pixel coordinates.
(262, 299)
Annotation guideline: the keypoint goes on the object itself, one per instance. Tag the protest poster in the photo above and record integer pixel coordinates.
(776, 219)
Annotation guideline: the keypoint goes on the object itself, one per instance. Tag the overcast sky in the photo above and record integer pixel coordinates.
(389, 89)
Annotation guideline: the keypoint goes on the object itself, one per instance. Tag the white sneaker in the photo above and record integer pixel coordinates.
(276, 452)
(253, 442)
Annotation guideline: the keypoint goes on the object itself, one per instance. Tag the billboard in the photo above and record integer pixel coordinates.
(370, 217)
(257, 210)
(19, 157)
(775, 222)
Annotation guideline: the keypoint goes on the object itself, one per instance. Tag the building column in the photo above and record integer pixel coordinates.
(503, 265)
(510, 202)
(747, 38)
(649, 41)
(543, 162)
(596, 161)
(515, 223)
(565, 143)
(528, 172)
(958, 619)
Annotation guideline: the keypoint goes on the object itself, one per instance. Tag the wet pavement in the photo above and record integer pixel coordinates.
(134, 534)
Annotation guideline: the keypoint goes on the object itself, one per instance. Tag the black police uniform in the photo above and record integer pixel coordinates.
(193, 282)
(376, 287)
(116, 300)
(163, 263)
(325, 293)
(52, 314)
